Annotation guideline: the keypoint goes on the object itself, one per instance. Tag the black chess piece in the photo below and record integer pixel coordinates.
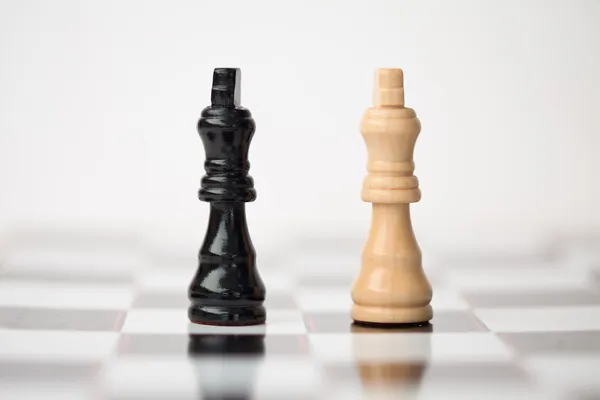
(227, 288)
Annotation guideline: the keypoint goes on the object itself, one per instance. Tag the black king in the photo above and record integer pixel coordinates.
(227, 288)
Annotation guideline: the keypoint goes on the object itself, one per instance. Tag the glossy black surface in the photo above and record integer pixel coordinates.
(227, 288)
(207, 345)
(226, 380)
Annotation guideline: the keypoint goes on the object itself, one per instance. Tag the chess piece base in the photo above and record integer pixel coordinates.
(389, 315)
(421, 327)
(227, 315)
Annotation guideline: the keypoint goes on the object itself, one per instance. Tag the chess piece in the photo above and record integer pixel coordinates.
(391, 287)
(227, 288)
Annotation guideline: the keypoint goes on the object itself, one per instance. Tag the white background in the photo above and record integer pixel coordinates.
(99, 102)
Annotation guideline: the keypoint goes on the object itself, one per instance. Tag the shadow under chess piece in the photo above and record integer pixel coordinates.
(377, 351)
(391, 287)
(227, 288)
(226, 365)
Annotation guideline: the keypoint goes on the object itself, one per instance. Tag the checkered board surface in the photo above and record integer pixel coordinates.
(110, 323)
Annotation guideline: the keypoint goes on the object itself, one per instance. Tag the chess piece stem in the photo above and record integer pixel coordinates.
(391, 287)
(227, 288)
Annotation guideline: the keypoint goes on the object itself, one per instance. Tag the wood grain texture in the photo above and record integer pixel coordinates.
(391, 287)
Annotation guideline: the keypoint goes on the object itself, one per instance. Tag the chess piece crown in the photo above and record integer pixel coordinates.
(226, 130)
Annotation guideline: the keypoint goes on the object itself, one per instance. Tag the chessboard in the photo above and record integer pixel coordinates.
(107, 319)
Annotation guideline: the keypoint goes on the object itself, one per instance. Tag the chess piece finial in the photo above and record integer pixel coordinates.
(227, 288)
(226, 87)
(389, 88)
(391, 287)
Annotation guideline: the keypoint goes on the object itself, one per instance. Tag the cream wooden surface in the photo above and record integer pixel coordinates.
(391, 286)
